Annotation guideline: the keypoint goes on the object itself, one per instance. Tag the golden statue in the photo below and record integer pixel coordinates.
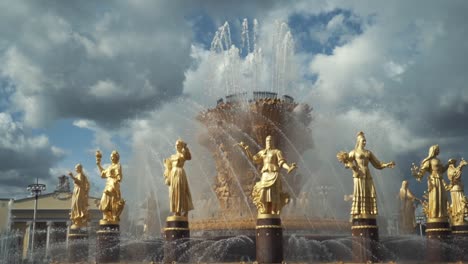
(112, 203)
(437, 206)
(79, 207)
(459, 206)
(364, 196)
(180, 199)
(407, 218)
(267, 194)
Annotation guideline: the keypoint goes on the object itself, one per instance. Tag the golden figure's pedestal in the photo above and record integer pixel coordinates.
(460, 242)
(77, 245)
(437, 239)
(365, 237)
(269, 239)
(108, 243)
(176, 232)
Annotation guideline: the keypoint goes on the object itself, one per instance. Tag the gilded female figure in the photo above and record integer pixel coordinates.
(407, 208)
(267, 194)
(112, 203)
(459, 206)
(364, 195)
(180, 199)
(437, 207)
(79, 206)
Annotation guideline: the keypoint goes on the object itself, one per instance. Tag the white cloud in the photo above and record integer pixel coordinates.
(107, 89)
(14, 137)
(352, 70)
(394, 69)
(26, 74)
(102, 136)
(335, 22)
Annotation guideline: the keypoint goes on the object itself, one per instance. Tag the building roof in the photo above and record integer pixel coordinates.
(52, 201)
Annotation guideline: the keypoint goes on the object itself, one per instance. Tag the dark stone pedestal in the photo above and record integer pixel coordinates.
(108, 243)
(365, 240)
(176, 233)
(77, 245)
(460, 242)
(269, 239)
(437, 240)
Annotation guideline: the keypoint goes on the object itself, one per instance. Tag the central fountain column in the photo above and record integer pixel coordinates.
(108, 243)
(365, 233)
(176, 233)
(269, 239)
(438, 236)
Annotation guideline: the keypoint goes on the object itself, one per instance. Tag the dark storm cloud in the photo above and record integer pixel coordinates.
(105, 63)
(23, 157)
(435, 88)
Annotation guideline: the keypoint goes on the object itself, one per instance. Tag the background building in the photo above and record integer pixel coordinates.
(52, 222)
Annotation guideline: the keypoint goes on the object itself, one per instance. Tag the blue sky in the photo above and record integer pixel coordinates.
(132, 75)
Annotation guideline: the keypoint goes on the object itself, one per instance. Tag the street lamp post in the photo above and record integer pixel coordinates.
(36, 189)
(421, 218)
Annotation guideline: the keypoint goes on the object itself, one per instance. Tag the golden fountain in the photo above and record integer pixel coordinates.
(241, 118)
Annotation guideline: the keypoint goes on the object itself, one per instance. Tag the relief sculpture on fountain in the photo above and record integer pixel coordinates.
(239, 118)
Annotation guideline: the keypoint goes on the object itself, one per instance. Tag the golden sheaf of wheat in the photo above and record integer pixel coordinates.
(342, 156)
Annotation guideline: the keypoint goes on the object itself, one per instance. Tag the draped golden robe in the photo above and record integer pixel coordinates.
(79, 204)
(269, 188)
(180, 198)
(436, 187)
(407, 219)
(364, 194)
(459, 201)
(111, 201)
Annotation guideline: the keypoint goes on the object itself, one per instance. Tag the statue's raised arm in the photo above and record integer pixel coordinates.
(246, 149)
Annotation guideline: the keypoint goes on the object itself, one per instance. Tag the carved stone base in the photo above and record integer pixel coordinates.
(77, 245)
(176, 233)
(269, 239)
(460, 242)
(437, 240)
(365, 240)
(108, 243)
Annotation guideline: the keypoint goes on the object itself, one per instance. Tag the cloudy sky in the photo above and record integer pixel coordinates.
(132, 75)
